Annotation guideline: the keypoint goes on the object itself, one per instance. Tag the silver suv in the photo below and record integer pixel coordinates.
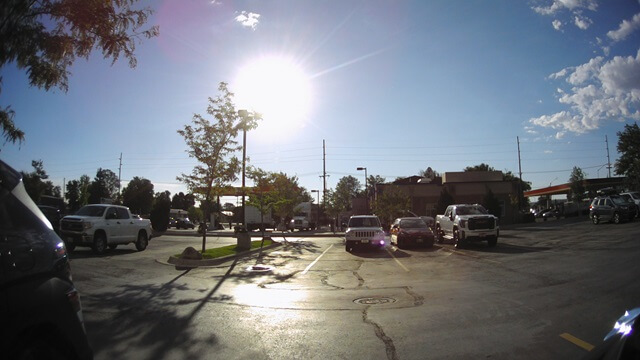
(614, 208)
(364, 230)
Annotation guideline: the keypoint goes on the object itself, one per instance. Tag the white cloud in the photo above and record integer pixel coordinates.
(582, 22)
(558, 5)
(626, 27)
(557, 24)
(248, 19)
(548, 152)
(601, 91)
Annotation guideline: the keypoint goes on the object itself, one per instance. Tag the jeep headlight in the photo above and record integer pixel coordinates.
(86, 225)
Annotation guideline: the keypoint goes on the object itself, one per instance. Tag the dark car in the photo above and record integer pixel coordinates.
(40, 309)
(622, 342)
(612, 208)
(550, 214)
(185, 223)
(53, 215)
(411, 231)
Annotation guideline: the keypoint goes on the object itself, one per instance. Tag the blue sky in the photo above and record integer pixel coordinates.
(395, 87)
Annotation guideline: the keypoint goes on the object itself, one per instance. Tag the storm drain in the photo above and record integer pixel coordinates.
(374, 300)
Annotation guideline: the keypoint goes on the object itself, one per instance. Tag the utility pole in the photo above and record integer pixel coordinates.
(119, 174)
(520, 194)
(324, 173)
(608, 158)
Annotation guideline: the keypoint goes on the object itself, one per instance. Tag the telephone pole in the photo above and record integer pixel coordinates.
(520, 194)
(608, 158)
(119, 174)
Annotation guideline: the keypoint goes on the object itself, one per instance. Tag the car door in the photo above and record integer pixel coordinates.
(606, 209)
(126, 226)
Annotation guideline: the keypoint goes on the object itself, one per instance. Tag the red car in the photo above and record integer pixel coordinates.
(411, 231)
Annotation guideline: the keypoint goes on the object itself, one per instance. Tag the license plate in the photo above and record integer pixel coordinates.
(364, 241)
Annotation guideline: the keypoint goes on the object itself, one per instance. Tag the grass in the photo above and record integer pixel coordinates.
(215, 253)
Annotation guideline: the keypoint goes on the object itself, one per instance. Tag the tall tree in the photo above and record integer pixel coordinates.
(276, 192)
(36, 182)
(372, 181)
(491, 203)
(428, 173)
(160, 212)
(213, 144)
(183, 201)
(391, 204)
(138, 195)
(577, 184)
(44, 38)
(444, 200)
(628, 164)
(347, 188)
(480, 167)
(104, 186)
(77, 193)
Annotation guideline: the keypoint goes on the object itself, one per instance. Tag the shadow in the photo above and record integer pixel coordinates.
(139, 317)
(423, 249)
(380, 253)
(86, 252)
(503, 248)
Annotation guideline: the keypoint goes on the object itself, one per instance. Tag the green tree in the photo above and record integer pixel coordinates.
(577, 184)
(138, 195)
(104, 186)
(491, 203)
(347, 188)
(628, 164)
(160, 212)
(391, 204)
(480, 167)
(444, 200)
(77, 193)
(36, 182)
(429, 173)
(213, 144)
(183, 201)
(372, 181)
(44, 38)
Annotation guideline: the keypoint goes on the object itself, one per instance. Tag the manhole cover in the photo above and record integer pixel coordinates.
(374, 300)
(259, 268)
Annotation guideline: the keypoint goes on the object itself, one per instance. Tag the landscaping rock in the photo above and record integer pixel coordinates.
(191, 254)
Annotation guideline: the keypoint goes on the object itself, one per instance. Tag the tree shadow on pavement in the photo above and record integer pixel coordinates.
(150, 318)
(504, 248)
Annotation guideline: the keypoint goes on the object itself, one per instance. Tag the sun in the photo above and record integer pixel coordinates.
(277, 88)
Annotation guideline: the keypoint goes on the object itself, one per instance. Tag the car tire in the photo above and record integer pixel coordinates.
(142, 241)
(457, 241)
(616, 218)
(595, 219)
(99, 244)
(493, 241)
(113, 246)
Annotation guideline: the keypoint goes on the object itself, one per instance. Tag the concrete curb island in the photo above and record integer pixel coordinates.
(190, 263)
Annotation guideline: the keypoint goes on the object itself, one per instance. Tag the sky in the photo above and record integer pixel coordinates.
(392, 86)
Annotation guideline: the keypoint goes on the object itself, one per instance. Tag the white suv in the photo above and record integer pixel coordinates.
(364, 230)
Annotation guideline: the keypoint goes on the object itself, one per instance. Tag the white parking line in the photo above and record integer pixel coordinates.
(316, 260)
(398, 261)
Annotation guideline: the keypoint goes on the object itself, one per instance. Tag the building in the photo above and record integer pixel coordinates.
(467, 187)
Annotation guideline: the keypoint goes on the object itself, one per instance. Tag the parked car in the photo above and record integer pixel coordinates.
(622, 342)
(429, 220)
(40, 307)
(364, 230)
(550, 214)
(411, 231)
(612, 208)
(633, 196)
(185, 223)
(538, 213)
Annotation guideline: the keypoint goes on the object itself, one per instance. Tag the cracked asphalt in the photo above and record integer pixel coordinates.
(320, 302)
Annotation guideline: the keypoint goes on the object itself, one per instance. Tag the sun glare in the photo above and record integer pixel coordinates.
(278, 89)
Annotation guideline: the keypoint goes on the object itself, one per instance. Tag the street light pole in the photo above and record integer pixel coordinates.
(244, 114)
(366, 194)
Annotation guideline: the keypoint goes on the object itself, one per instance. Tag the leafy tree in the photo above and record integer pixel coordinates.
(36, 182)
(77, 193)
(138, 195)
(213, 144)
(183, 201)
(372, 181)
(491, 203)
(104, 186)
(480, 167)
(347, 189)
(195, 214)
(43, 38)
(507, 176)
(577, 184)
(628, 164)
(428, 173)
(444, 200)
(160, 212)
(391, 204)
(331, 206)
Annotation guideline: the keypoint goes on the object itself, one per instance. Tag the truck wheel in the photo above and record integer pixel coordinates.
(457, 240)
(142, 241)
(616, 218)
(595, 219)
(99, 243)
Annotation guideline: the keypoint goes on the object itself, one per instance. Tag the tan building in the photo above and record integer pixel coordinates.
(468, 187)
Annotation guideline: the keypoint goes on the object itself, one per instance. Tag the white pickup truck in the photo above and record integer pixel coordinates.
(463, 223)
(104, 225)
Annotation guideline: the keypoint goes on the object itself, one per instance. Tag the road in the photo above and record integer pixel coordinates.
(548, 290)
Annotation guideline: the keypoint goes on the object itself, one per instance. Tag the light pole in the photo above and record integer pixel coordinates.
(366, 194)
(244, 114)
(318, 206)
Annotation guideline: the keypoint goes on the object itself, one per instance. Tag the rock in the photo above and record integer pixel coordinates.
(191, 254)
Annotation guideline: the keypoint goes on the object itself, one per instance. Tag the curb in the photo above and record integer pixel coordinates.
(227, 233)
(190, 263)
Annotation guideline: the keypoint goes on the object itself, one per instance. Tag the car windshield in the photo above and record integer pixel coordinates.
(412, 223)
(91, 211)
(470, 210)
(364, 222)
